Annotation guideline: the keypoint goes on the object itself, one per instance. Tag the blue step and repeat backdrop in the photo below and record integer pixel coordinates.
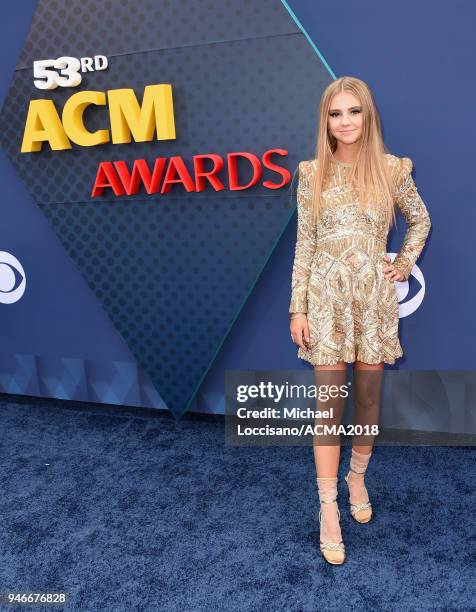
(140, 296)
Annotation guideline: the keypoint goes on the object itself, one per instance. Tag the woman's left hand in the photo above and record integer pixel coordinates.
(391, 273)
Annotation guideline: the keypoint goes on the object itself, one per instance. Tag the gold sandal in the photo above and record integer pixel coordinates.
(333, 552)
(364, 509)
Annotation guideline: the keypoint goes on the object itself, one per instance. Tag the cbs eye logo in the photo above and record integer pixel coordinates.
(12, 279)
(409, 307)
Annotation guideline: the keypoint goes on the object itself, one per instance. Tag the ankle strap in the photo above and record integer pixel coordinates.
(331, 501)
(356, 471)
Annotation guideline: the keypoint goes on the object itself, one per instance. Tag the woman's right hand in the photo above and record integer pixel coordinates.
(300, 330)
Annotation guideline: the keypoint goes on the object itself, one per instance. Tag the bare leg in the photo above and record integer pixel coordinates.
(367, 386)
(327, 450)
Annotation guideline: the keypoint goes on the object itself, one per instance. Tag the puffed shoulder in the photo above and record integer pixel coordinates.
(306, 166)
(405, 169)
(400, 167)
(406, 165)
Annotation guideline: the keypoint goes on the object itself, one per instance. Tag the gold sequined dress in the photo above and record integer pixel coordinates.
(337, 275)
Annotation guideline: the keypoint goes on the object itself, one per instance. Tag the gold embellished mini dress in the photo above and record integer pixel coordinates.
(337, 275)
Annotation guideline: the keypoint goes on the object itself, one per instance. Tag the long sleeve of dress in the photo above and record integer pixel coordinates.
(305, 247)
(416, 216)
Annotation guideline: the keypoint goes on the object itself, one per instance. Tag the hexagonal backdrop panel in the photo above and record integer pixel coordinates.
(172, 271)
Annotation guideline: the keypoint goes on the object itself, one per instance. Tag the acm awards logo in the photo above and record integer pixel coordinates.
(407, 308)
(12, 279)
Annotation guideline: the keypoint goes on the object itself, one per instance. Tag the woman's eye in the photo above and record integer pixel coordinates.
(353, 112)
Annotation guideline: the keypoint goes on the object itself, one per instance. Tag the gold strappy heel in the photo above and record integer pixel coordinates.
(361, 512)
(333, 552)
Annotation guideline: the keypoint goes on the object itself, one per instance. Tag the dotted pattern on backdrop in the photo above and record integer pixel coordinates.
(170, 280)
(172, 271)
(88, 27)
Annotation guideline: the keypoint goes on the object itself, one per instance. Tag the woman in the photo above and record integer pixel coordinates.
(344, 306)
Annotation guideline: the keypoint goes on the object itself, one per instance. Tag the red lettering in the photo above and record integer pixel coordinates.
(177, 166)
(201, 174)
(107, 177)
(140, 174)
(117, 176)
(233, 172)
(284, 172)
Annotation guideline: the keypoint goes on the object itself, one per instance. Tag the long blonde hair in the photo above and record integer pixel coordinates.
(369, 174)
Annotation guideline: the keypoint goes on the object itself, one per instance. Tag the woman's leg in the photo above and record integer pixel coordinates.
(327, 450)
(367, 387)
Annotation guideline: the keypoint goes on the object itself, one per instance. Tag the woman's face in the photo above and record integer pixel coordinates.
(345, 118)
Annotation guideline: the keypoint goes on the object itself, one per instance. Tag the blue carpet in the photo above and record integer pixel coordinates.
(148, 514)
